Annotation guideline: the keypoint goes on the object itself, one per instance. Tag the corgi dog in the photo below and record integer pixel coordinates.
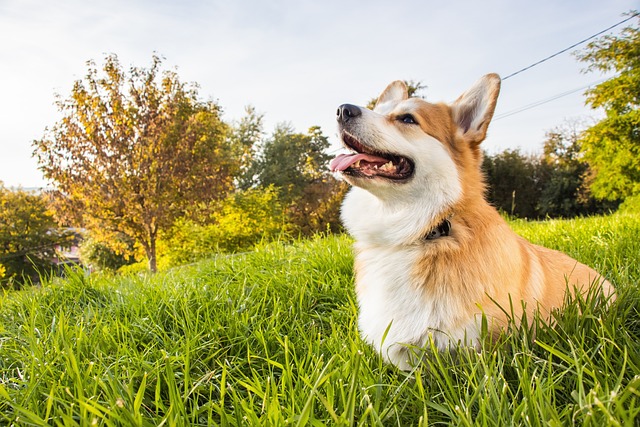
(432, 257)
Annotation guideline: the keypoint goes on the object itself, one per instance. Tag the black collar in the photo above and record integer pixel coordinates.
(443, 229)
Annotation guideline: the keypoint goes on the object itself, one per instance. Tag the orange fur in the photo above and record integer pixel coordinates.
(411, 289)
(486, 251)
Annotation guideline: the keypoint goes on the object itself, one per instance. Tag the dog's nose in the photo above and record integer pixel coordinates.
(348, 111)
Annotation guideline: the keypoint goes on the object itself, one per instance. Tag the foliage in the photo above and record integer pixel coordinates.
(555, 184)
(296, 165)
(247, 133)
(28, 237)
(612, 146)
(318, 210)
(567, 176)
(631, 204)
(107, 255)
(134, 150)
(249, 217)
(271, 338)
(238, 223)
(515, 182)
(291, 161)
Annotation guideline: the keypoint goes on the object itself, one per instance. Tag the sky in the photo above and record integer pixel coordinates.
(295, 61)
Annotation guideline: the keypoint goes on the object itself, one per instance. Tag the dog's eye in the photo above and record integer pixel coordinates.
(408, 119)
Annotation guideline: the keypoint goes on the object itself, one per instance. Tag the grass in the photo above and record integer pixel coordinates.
(270, 338)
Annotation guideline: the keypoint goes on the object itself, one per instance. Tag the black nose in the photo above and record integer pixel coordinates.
(348, 111)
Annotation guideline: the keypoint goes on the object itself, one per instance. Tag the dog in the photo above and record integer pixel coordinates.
(433, 259)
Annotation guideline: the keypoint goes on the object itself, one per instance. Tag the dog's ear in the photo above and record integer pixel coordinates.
(395, 92)
(473, 110)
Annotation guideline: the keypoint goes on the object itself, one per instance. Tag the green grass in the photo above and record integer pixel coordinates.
(270, 338)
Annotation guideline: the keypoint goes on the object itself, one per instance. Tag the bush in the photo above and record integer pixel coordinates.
(318, 210)
(631, 204)
(103, 255)
(29, 238)
(137, 268)
(241, 221)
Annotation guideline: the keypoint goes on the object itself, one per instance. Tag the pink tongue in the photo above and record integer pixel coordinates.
(343, 161)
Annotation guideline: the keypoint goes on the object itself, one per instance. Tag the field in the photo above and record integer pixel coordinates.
(270, 338)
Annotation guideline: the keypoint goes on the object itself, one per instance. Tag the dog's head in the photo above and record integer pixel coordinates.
(409, 145)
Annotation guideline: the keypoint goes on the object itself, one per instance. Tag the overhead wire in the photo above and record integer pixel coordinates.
(563, 94)
(546, 100)
(570, 47)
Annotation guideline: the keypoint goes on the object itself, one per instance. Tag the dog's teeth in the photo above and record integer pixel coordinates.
(387, 166)
(357, 164)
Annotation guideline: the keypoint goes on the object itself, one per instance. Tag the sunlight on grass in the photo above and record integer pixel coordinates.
(270, 338)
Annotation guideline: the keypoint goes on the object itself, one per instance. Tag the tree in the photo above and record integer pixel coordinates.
(297, 165)
(28, 236)
(291, 161)
(514, 182)
(565, 192)
(247, 134)
(133, 151)
(612, 146)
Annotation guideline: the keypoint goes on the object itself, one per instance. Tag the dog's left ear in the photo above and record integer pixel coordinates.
(473, 110)
(395, 92)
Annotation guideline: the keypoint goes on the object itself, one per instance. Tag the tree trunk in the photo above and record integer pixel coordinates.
(151, 254)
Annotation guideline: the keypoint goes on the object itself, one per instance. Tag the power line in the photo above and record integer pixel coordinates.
(544, 101)
(570, 47)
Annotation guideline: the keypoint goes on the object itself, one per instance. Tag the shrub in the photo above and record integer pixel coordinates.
(631, 204)
(240, 221)
(107, 255)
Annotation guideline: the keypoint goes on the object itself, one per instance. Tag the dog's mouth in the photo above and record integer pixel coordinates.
(368, 163)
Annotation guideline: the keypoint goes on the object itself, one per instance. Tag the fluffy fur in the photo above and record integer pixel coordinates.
(410, 289)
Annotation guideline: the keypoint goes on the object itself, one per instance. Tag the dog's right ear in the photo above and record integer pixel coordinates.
(473, 110)
(395, 92)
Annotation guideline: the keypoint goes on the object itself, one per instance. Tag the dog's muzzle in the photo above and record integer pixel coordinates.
(347, 112)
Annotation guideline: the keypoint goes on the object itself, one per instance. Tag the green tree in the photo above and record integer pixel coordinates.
(247, 134)
(612, 146)
(514, 181)
(319, 210)
(28, 237)
(567, 176)
(297, 165)
(134, 151)
(565, 193)
(291, 161)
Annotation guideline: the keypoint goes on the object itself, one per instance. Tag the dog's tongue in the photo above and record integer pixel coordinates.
(343, 161)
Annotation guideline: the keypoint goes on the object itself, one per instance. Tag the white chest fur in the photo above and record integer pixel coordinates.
(395, 310)
(396, 313)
